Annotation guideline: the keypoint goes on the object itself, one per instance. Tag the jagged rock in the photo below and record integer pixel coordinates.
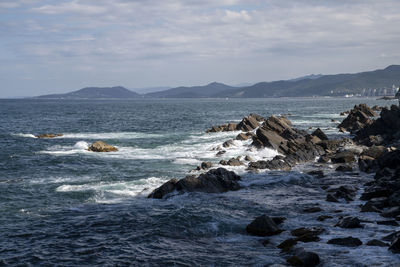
(305, 259)
(204, 165)
(320, 134)
(274, 164)
(373, 151)
(48, 135)
(248, 158)
(358, 118)
(100, 146)
(220, 153)
(391, 212)
(248, 123)
(242, 137)
(346, 241)
(231, 162)
(263, 226)
(377, 243)
(376, 108)
(214, 181)
(222, 128)
(349, 222)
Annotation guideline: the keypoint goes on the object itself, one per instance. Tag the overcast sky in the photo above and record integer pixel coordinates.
(53, 46)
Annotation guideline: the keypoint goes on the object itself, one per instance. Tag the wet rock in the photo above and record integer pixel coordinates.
(222, 128)
(344, 168)
(369, 207)
(395, 246)
(375, 191)
(164, 190)
(48, 135)
(263, 226)
(278, 220)
(391, 237)
(322, 218)
(302, 231)
(228, 143)
(220, 153)
(320, 134)
(205, 165)
(100, 146)
(242, 137)
(356, 120)
(390, 212)
(342, 130)
(376, 108)
(305, 259)
(275, 164)
(214, 181)
(373, 151)
(248, 158)
(346, 192)
(312, 210)
(377, 243)
(331, 198)
(233, 162)
(349, 222)
(286, 245)
(343, 157)
(346, 241)
(309, 237)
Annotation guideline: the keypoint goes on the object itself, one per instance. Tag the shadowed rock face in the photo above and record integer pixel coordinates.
(248, 123)
(214, 181)
(100, 146)
(358, 118)
(263, 226)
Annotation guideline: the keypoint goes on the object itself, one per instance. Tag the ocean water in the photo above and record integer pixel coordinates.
(63, 205)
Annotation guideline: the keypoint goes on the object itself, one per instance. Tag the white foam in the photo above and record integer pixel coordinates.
(115, 135)
(25, 135)
(114, 192)
(81, 145)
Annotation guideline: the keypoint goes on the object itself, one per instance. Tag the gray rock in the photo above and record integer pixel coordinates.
(349, 222)
(263, 226)
(346, 241)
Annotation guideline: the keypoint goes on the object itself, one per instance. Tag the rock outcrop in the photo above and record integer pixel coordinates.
(100, 146)
(48, 135)
(263, 226)
(248, 123)
(358, 118)
(214, 181)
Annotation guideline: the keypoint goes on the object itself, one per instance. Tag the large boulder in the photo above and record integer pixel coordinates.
(343, 157)
(263, 226)
(247, 124)
(214, 181)
(304, 258)
(358, 118)
(346, 241)
(320, 134)
(100, 146)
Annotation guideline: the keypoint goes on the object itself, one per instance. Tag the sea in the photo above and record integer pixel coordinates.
(61, 205)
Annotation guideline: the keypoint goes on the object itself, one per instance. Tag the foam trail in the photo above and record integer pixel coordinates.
(25, 135)
(116, 135)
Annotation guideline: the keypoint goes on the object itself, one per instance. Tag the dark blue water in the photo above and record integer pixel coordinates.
(63, 205)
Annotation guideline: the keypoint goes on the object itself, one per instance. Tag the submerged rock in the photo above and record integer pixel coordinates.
(346, 241)
(349, 222)
(48, 135)
(304, 258)
(377, 243)
(263, 226)
(100, 146)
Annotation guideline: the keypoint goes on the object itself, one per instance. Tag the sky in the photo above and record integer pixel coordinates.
(56, 46)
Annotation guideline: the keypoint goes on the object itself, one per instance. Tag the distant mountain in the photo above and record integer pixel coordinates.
(208, 90)
(371, 83)
(311, 76)
(150, 89)
(95, 93)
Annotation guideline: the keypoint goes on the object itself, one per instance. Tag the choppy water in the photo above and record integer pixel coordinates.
(63, 205)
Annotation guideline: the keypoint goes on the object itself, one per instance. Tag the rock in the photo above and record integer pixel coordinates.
(223, 128)
(286, 245)
(228, 143)
(312, 210)
(342, 130)
(304, 258)
(206, 165)
(331, 198)
(302, 231)
(343, 157)
(242, 137)
(377, 243)
(369, 207)
(263, 226)
(349, 222)
(375, 192)
(309, 237)
(391, 212)
(278, 220)
(248, 158)
(234, 162)
(48, 135)
(270, 138)
(220, 153)
(358, 118)
(164, 190)
(395, 246)
(320, 134)
(248, 123)
(100, 146)
(214, 181)
(376, 108)
(346, 241)
(322, 218)
(373, 151)
(344, 168)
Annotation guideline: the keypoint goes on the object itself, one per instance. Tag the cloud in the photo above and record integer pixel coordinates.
(244, 38)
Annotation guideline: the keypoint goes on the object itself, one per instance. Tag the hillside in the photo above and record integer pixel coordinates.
(95, 93)
(208, 90)
(371, 83)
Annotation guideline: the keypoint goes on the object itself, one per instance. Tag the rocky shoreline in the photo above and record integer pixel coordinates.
(373, 148)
